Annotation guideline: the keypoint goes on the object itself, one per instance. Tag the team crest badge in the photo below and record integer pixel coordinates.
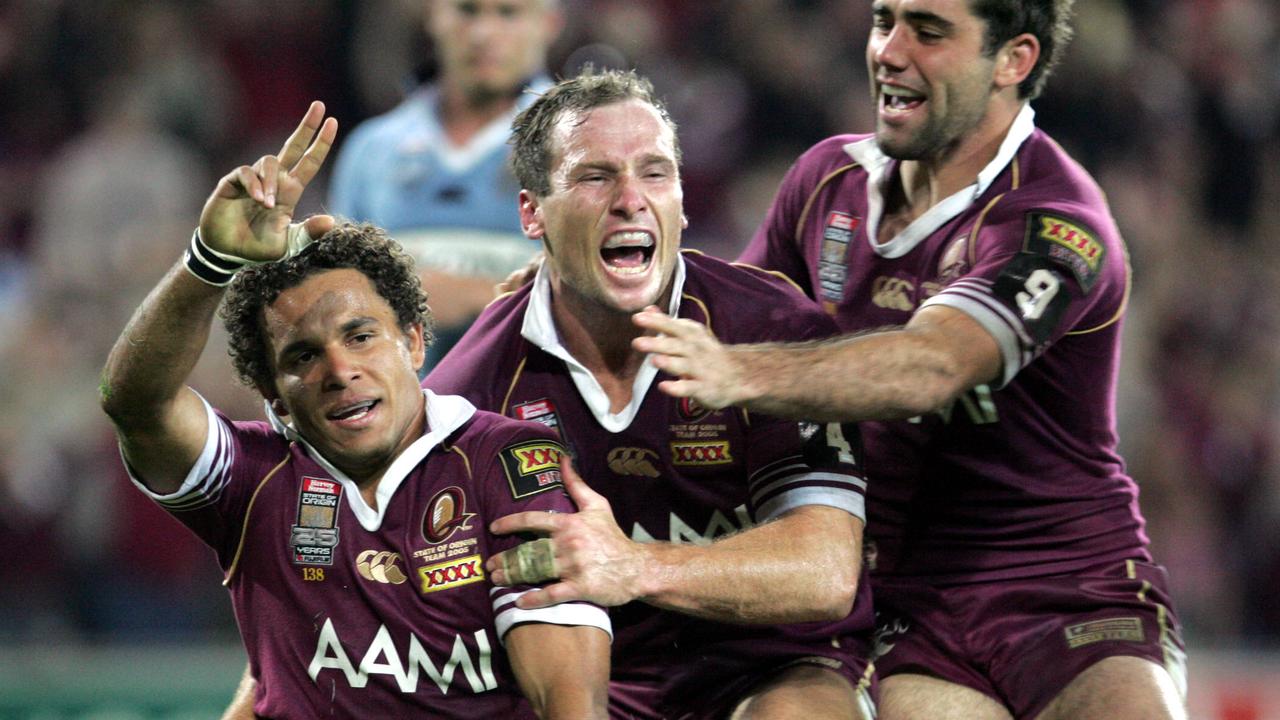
(445, 514)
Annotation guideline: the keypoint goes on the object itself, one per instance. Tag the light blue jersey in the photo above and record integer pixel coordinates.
(453, 208)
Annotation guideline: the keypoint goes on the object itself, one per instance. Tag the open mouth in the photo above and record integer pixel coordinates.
(897, 99)
(628, 253)
(350, 413)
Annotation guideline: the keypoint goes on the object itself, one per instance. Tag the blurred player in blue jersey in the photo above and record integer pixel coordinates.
(434, 171)
(1011, 574)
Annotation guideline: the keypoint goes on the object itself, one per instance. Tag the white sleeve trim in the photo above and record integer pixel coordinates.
(207, 477)
(851, 502)
(997, 320)
(570, 613)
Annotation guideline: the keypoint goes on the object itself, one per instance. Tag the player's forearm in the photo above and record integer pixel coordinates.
(802, 567)
(886, 375)
(152, 358)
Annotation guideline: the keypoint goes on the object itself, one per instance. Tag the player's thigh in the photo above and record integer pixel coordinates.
(805, 692)
(907, 696)
(1126, 687)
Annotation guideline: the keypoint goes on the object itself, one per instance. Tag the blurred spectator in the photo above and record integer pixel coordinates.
(434, 171)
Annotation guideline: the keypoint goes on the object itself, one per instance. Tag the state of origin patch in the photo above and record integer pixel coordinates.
(315, 535)
(542, 410)
(833, 262)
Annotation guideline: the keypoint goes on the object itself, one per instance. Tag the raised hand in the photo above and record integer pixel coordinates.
(249, 212)
(593, 559)
(705, 367)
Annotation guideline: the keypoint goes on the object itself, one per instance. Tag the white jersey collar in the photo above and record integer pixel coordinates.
(868, 154)
(445, 413)
(539, 328)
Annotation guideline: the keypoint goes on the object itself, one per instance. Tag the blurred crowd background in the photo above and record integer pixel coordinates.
(118, 117)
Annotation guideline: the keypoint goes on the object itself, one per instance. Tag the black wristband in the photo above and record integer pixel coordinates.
(208, 266)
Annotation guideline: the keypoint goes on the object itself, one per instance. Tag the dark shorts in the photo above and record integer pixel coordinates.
(711, 682)
(1023, 641)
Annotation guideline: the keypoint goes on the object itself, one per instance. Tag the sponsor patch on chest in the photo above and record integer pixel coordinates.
(542, 411)
(710, 452)
(833, 258)
(315, 534)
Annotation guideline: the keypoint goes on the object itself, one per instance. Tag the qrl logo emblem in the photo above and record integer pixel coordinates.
(451, 573)
(445, 514)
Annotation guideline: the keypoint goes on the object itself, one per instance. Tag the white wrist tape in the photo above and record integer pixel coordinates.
(218, 269)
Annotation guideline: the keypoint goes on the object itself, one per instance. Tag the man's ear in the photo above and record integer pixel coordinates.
(417, 345)
(273, 399)
(531, 220)
(1015, 60)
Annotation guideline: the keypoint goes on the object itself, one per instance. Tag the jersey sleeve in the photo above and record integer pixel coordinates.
(523, 474)
(775, 245)
(214, 496)
(791, 464)
(1038, 274)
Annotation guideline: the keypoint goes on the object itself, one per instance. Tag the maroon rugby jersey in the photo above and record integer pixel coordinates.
(674, 471)
(350, 612)
(1014, 480)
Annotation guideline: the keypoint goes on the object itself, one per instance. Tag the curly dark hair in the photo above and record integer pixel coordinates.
(362, 247)
(532, 128)
(1048, 20)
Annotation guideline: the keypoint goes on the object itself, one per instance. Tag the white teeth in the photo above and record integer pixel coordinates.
(898, 92)
(355, 411)
(633, 238)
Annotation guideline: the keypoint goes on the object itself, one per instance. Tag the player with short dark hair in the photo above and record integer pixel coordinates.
(730, 542)
(353, 527)
(1011, 572)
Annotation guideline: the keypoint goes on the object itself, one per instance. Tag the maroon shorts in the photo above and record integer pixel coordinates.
(1022, 641)
(709, 683)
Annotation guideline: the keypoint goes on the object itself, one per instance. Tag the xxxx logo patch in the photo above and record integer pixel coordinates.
(714, 452)
(532, 466)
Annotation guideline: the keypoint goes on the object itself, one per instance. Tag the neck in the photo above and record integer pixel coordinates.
(368, 478)
(599, 338)
(463, 114)
(928, 181)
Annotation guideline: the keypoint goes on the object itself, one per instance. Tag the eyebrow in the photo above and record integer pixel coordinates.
(915, 17)
(348, 326)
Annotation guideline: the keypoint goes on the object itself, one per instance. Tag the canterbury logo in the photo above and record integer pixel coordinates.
(380, 566)
(701, 453)
(892, 293)
(535, 458)
(633, 461)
